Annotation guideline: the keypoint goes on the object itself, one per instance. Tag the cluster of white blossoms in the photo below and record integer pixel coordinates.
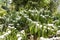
(11, 27)
(23, 32)
(30, 19)
(18, 17)
(54, 38)
(42, 16)
(37, 23)
(50, 24)
(42, 38)
(5, 34)
(19, 36)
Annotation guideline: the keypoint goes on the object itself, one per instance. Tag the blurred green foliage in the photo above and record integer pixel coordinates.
(35, 17)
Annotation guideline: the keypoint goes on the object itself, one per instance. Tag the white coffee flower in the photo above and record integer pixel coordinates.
(40, 26)
(23, 32)
(32, 10)
(18, 35)
(2, 36)
(49, 28)
(50, 24)
(42, 38)
(37, 24)
(19, 38)
(7, 33)
(44, 26)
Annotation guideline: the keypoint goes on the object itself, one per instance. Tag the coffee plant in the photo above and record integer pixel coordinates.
(29, 19)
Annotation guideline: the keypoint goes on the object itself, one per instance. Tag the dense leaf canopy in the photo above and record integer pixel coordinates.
(38, 18)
